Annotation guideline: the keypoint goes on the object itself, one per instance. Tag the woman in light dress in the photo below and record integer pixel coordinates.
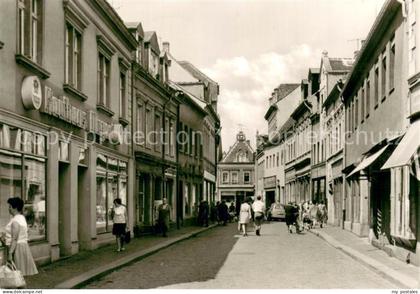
(16, 239)
(120, 219)
(245, 215)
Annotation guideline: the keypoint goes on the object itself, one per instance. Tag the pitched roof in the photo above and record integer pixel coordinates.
(198, 74)
(197, 102)
(135, 25)
(148, 35)
(151, 37)
(285, 89)
(238, 147)
(334, 64)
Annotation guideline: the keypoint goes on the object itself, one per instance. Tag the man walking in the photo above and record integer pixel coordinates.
(258, 207)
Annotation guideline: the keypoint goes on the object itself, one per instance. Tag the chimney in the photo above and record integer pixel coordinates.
(166, 47)
(355, 54)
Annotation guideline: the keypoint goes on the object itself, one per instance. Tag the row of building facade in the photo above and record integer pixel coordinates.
(94, 109)
(348, 135)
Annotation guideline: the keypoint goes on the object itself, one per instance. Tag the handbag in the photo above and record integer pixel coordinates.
(11, 277)
(127, 237)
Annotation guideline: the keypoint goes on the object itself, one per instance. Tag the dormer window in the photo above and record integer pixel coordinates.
(153, 64)
(139, 51)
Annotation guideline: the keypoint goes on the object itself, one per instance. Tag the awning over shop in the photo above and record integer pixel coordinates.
(406, 148)
(368, 161)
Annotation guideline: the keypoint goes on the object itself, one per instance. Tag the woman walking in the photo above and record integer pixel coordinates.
(164, 217)
(16, 239)
(245, 215)
(119, 217)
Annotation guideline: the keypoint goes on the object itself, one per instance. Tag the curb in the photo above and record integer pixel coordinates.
(83, 279)
(394, 276)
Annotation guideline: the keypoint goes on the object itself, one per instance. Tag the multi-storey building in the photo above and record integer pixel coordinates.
(206, 90)
(191, 137)
(155, 115)
(236, 172)
(297, 148)
(330, 110)
(283, 101)
(334, 132)
(382, 199)
(66, 94)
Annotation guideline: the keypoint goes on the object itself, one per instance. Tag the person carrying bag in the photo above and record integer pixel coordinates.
(11, 277)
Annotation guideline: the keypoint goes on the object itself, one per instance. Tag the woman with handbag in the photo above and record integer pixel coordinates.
(120, 220)
(16, 239)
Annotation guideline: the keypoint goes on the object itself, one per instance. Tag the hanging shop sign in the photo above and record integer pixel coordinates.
(31, 93)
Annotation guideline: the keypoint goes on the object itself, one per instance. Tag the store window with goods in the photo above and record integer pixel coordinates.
(23, 174)
(111, 183)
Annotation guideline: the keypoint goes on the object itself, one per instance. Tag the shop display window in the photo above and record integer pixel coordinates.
(111, 183)
(23, 174)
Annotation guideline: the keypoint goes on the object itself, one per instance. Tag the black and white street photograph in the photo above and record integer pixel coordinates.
(178, 145)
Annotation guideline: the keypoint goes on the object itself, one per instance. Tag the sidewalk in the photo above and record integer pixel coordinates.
(406, 275)
(87, 265)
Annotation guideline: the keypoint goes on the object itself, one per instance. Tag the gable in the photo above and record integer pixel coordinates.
(240, 152)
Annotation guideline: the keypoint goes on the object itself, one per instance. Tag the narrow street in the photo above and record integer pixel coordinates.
(220, 258)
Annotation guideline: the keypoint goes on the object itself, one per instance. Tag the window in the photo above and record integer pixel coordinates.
(383, 82)
(234, 178)
(103, 80)
(246, 177)
(23, 174)
(73, 60)
(140, 123)
(376, 89)
(149, 126)
(122, 96)
(153, 64)
(392, 65)
(111, 183)
(356, 115)
(278, 159)
(139, 51)
(172, 139)
(225, 177)
(266, 162)
(157, 132)
(367, 97)
(362, 105)
(30, 29)
(401, 203)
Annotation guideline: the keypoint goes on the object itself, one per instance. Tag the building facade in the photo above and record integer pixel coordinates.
(236, 172)
(206, 90)
(331, 123)
(66, 91)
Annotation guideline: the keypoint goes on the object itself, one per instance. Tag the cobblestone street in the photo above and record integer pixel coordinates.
(220, 258)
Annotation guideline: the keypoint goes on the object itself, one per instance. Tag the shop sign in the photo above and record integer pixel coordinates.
(62, 109)
(31, 92)
(270, 182)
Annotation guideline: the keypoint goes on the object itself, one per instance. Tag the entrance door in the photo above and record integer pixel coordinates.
(381, 203)
(338, 201)
(64, 211)
(269, 198)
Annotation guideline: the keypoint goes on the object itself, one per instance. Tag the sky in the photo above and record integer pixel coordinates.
(251, 46)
